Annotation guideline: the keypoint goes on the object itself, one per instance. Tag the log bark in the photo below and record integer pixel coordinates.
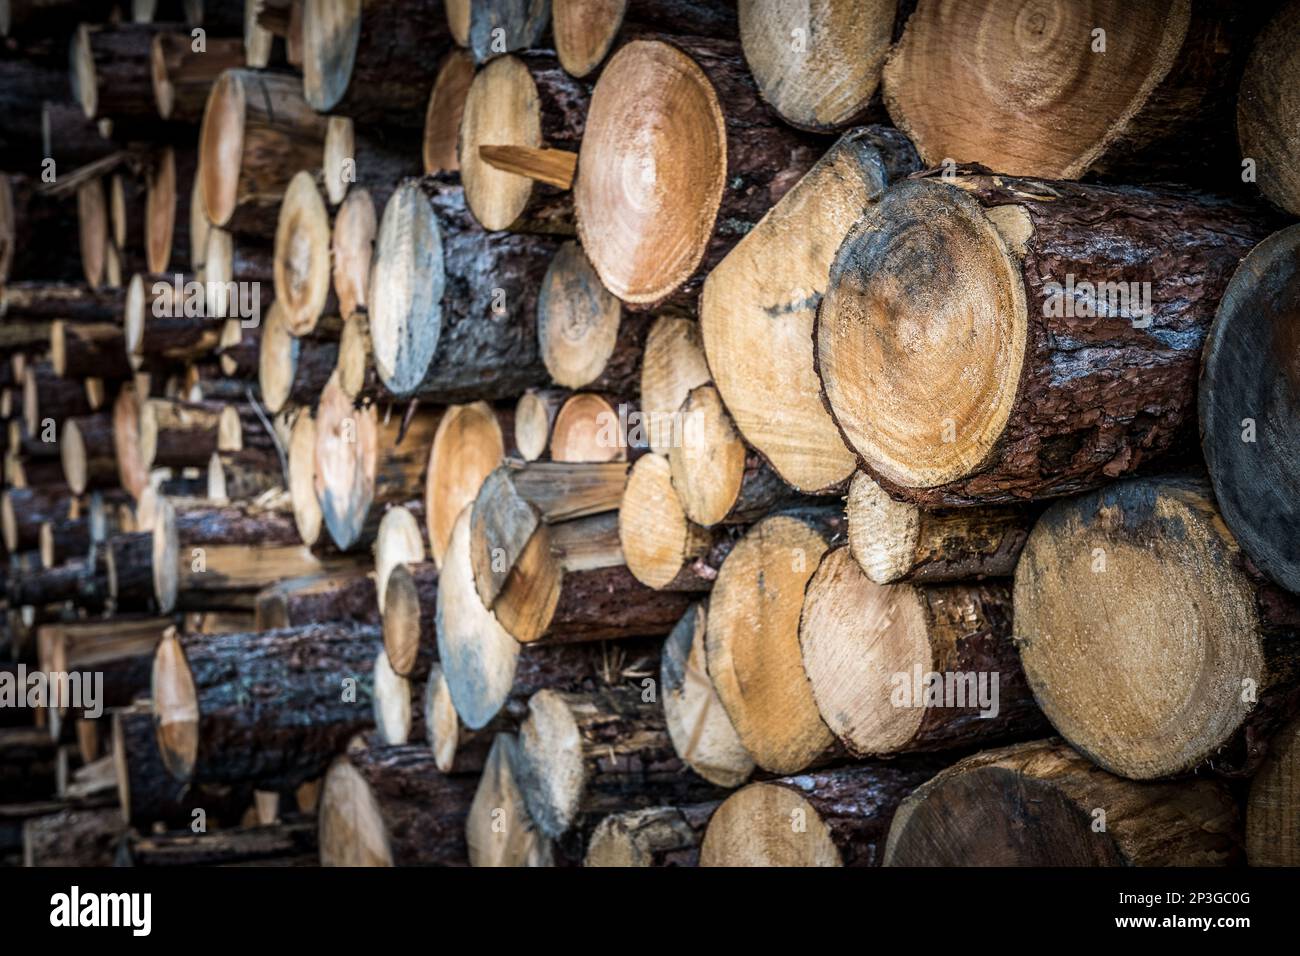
(72, 838)
(291, 371)
(653, 239)
(175, 434)
(341, 596)
(63, 540)
(88, 454)
(976, 813)
(243, 474)
(129, 558)
(593, 753)
(111, 74)
(47, 397)
(75, 303)
(24, 510)
(657, 836)
(89, 349)
(434, 263)
(410, 603)
(496, 24)
(1250, 439)
(374, 62)
(183, 76)
(229, 707)
(1060, 298)
(280, 844)
(1271, 824)
(1203, 602)
(38, 234)
(391, 806)
(520, 100)
(758, 308)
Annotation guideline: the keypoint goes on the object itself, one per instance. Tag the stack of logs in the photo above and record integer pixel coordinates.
(503, 433)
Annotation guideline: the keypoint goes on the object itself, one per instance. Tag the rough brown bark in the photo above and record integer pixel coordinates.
(38, 233)
(342, 596)
(657, 836)
(129, 558)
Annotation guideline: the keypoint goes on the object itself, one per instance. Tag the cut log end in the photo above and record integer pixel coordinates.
(352, 829)
(752, 828)
(302, 255)
(883, 533)
(160, 212)
(221, 147)
(345, 463)
(401, 620)
(340, 157)
(446, 106)
(651, 178)
(652, 526)
(467, 447)
(330, 34)
(586, 429)
(442, 723)
(584, 32)
(302, 478)
(355, 226)
(577, 319)
(708, 457)
(392, 702)
(533, 415)
(498, 801)
(175, 708)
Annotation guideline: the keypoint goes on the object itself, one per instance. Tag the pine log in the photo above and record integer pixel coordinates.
(657, 836)
(653, 238)
(168, 320)
(248, 263)
(585, 337)
(48, 399)
(1060, 311)
(759, 306)
(339, 596)
(367, 157)
(111, 75)
(247, 473)
(79, 838)
(1203, 603)
(443, 115)
(1272, 825)
(75, 303)
(753, 639)
(129, 557)
(92, 234)
(898, 541)
(132, 471)
(230, 708)
(498, 829)
(593, 753)
(520, 100)
(258, 131)
(280, 844)
(127, 191)
(24, 510)
(64, 539)
(302, 255)
(177, 434)
(363, 463)
(116, 652)
(701, 732)
(86, 449)
(534, 417)
(74, 580)
(592, 428)
(469, 445)
(88, 349)
(456, 747)
(183, 75)
(391, 806)
(399, 714)
(398, 542)
(664, 549)
(1041, 804)
(238, 348)
(584, 33)
(453, 309)
(307, 514)
(38, 234)
(169, 232)
(1249, 432)
(291, 371)
(372, 60)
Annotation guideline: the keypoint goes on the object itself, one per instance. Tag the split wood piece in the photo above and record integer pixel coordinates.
(132, 471)
(170, 320)
(64, 539)
(901, 668)
(657, 106)
(759, 306)
(590, 428)
(498, 829)
(291, 371)
(1249, 432)
(168, 218)
(24, 510)
(111, 75)
(279, 844)
(586, 338)
(80, 838)
(701, 732)
(340, 596)
(391, 806)
(182, 76)
(247, 473)
(658, 836)
(456, 748)
(177, 434)
(88, 349)
(398, 714)
(73, 302)
(236, 271)
(534, 417)
(229, 707)
(257, 132)
(1160, 76)
(469, 445)
(129, 559)
(86, 449)
(753, 639)
(442, 117)
(219, 557)
(673, 364)
(409, 607)
(147, 792)
(307, 514)
(360, 465)
(492, 27)
(369, 158)
(1273, 803)
(453, 309)
(399, 541)
(238, 348)
(48, 398)
(571, 584)
(1217, 639)
(1264, 101)
(302, 255)
(717, 478)
(1038, 803)
(352, 249)
(819, 64)
(372, 60)
(664, 549)
(845, 816)
(39, 234)
(521, 100)
(587, 754)
(585, 33)
(899, 541)
(1000, 287)
(515, 501)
